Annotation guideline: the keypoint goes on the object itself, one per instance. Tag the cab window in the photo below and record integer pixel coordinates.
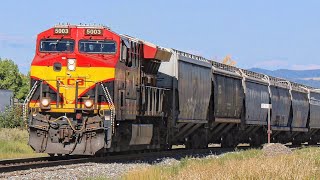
(56, 45)
(97, 46)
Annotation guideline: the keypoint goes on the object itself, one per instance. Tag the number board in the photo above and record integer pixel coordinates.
(94, 32)
(62, 31)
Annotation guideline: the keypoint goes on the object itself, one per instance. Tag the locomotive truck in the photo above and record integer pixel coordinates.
(95, 91)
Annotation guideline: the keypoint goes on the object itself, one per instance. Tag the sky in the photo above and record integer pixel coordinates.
(268, 34)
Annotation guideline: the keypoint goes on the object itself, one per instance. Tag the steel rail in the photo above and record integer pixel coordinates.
(151, 157)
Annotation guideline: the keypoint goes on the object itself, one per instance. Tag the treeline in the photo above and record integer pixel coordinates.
(12, 79)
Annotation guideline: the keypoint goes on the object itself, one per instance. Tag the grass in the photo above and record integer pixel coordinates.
(14, 144)
(250, 164)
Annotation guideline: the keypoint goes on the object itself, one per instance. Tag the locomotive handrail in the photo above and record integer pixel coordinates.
(111, 105)
(26, 102)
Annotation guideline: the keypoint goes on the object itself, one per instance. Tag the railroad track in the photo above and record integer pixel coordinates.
(150, 157)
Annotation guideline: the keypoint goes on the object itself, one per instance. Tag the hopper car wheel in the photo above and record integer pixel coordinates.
(296, 142)
(256, 140)
(312, 141)
(188, 144)
(200, 140)
(194, 142)
(203, 141)
(228, 141)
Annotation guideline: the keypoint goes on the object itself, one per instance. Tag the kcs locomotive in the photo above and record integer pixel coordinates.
(95, 91)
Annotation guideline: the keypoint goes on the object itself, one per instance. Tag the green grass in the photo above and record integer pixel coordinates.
(14, 144)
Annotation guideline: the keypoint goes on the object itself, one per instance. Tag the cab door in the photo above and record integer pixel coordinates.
(132, 81)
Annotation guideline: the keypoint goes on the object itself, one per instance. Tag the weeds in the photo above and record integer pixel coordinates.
(11, 117)
(14, 144)
(250, 164)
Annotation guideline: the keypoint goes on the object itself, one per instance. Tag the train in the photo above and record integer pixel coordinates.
(95, 91)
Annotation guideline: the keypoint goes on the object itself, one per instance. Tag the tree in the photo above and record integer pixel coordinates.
(25, 87)
(12, 79)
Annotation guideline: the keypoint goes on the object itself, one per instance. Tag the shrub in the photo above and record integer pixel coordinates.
(11, 117)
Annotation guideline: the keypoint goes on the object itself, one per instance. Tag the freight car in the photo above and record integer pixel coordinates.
(95, 91)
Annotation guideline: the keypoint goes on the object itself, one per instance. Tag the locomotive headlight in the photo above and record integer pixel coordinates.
(71, 67)
(71, 64)
(88, 103)
(71, 61)
(45, 102)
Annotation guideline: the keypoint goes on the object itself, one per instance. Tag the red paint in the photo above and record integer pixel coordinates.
(83, 60)
(78, 116)
(149, 52)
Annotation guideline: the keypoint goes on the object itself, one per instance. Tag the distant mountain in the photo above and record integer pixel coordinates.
(307, 77)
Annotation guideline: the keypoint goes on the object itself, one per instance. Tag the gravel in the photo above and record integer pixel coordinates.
(116, 170)
(275, 149)
(78, 171)
(168, 162)
(87, 170)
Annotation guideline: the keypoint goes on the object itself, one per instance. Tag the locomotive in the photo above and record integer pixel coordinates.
(95, 91)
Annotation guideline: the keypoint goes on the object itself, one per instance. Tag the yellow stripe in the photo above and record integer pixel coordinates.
(92, 75)
(67, 107)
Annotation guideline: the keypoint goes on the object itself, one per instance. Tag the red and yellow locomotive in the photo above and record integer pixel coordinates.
(86, 81)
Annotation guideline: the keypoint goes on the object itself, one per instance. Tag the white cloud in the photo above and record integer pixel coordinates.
(272, 64)
(15, 39)
(6, 37)
(279, 64)
(304, 66)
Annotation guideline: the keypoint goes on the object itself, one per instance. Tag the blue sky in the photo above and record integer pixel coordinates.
(269, 34)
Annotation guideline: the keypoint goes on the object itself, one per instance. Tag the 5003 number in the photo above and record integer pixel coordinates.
(61, 31)
(93, 32)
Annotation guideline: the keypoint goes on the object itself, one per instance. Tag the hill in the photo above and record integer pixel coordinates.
(306, 77)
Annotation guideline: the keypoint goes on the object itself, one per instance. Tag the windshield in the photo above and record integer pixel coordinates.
(97, 46)
(56, 45)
